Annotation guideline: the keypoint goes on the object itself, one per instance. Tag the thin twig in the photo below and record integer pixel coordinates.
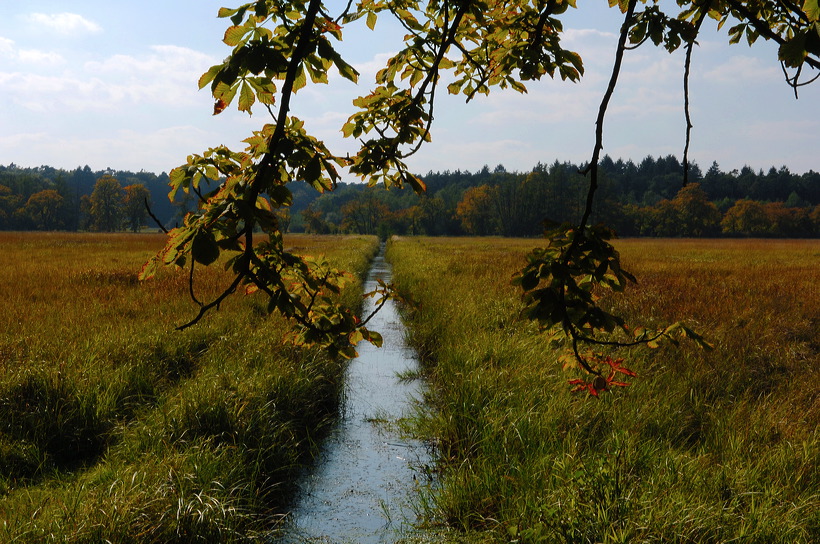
(269, 160)
(154, 217)
(191, 283)
(214, 303)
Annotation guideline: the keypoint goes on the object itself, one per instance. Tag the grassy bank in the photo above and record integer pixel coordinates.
(114, 426)
(713, 446)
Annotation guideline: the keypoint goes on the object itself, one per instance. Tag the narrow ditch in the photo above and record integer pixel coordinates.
(360, 487)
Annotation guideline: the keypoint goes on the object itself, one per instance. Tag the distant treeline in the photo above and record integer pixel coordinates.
(46, 198)
(643, 199)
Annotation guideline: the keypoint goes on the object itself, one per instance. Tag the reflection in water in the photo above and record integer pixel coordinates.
(366, 473)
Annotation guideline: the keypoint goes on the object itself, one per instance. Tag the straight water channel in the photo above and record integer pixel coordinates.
(359, 489)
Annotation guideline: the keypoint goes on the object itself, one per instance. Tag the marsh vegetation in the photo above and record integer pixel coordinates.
(114, 426)
(702, 446)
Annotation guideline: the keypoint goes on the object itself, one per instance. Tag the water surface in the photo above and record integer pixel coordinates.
(367, 471)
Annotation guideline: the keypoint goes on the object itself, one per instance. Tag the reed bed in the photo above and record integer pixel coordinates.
(115, 427)
(718, 446)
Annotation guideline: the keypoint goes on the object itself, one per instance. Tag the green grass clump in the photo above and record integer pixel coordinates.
(115, 427)
(703, 446)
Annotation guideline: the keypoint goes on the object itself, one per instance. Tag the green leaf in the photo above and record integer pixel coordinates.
(374, 338)
(346, 70)
(280, 195)
(348, 129)
(204, 249)
(225, 92)
(234, 35)
(529, 281)
(637, 33)
(793, 52)
(150, 268)
(686, 332)
(246, 98)
(300, 80)
(209, 76)
(355, 337)
(371, 20)
(812, 10)
(313, 170)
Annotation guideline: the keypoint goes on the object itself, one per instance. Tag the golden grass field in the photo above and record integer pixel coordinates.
(115, 426)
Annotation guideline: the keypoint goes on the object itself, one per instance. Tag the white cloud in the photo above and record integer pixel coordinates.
(65, 23)
(514, 154)
(27, 56)
(166, 76)
(33, 56)
(152, 150)
(33, 91)
(14, 140)
(368, 69)
(743, 69)
(166, 60)
(6, 47)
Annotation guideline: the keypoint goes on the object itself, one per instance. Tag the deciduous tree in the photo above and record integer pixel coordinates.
(43, 209)
(106, 205)
(135, 203)
(746, 217)
(363, 215)
(477, 212)
(696, 216)
(8, 203)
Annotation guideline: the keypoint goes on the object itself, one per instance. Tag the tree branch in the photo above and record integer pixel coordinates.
(687, 64)
(214, 303)
(592, 167)
(154, 217)
(765, 30)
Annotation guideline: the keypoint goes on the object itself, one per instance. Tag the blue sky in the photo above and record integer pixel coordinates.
(113, 84)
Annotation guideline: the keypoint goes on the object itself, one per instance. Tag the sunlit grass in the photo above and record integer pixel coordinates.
(115, 426)
(702, 447)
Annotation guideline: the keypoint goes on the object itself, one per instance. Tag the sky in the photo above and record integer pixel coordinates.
(114, 85)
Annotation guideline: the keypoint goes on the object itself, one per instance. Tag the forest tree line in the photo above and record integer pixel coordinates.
(643, 199)
(46, 198)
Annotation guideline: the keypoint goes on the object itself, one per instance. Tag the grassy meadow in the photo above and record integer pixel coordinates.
(114, 427)
(702, 447)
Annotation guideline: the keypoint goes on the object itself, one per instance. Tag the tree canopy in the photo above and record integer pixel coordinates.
(278, 47)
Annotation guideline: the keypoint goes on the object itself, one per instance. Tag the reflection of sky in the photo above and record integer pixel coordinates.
(115, 85)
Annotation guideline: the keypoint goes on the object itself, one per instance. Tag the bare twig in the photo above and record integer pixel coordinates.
(154, 217)
(214, 303)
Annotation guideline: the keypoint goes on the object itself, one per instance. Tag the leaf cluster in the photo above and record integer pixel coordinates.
(562, 281)
(562, 284)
